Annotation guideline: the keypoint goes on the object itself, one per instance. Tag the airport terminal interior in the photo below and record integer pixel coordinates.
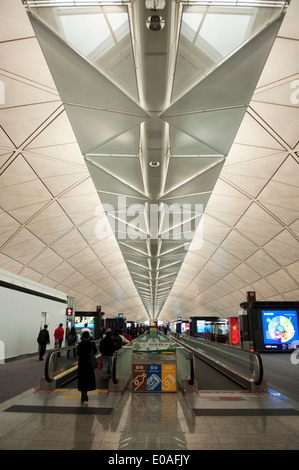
(149, 156)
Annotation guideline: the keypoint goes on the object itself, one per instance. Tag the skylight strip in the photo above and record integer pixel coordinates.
(236, 3)
(73, 3)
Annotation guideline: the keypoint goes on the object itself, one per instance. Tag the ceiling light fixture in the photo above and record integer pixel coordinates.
(155, 23)
(154, 164)
(155, 4)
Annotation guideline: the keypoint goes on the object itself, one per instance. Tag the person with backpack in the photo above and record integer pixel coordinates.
(108, 347)
(43, 339)
(117, 338)
(72, 340)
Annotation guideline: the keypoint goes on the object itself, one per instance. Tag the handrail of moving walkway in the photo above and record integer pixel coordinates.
(114, 379)
(261, 368)
(191, 381)
(201, 343)
(61, 350)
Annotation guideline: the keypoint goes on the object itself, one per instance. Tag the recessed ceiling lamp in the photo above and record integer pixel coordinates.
(155, 23)
(154, 164)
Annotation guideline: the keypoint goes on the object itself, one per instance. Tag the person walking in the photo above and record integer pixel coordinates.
(58, 335)
(43, 339)
(107, 348)
(71, 341)
(86, 378)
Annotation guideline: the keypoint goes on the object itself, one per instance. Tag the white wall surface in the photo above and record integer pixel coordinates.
(21, 315)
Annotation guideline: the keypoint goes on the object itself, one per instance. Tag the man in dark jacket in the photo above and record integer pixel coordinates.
(43, 339)
(108, 348)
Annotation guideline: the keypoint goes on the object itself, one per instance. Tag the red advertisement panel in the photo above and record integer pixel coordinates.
(233, 328)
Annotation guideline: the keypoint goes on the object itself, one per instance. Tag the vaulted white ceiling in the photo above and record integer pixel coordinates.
(76, 152)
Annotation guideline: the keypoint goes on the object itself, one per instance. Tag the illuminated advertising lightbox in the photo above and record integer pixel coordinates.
(185, 327)
(280, 329)
(202, 327)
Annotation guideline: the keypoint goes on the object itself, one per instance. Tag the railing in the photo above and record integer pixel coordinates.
(61, 364)
(185, 365)
(122, 361)
(242, 366)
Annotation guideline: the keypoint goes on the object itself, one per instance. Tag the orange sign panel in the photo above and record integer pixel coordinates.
(168, 377)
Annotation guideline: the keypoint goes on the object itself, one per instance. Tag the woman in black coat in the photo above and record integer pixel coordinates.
(86, 377)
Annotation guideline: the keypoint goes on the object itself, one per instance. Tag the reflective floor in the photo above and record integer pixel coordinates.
(205, 420)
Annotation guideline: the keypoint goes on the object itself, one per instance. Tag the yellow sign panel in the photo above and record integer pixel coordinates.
(168, 377)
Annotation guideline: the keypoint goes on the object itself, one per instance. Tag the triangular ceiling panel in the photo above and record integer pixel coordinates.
(105, 181)
(53, 138)
(21, 122)
(181, 170)
(192, 201)
(89, 33)
(94, 127)
(283, 119)
(89, 86)
(233, 81)
(279, 94)
(202, 50)
(253, 131)
(199, 183)
(20, 94)
(183, 144)
(207, 127)
(125, 144)
(124, 168)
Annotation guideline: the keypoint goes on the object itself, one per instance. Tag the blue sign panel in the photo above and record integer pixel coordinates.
(153, 382)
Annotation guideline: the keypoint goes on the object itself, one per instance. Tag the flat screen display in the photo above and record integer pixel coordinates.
(280, 329)
(81, 325)
(202, 327)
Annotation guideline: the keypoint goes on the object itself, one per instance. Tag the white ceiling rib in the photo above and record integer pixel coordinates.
(250, 223)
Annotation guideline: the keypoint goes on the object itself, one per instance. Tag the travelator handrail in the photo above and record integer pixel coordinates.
(127, 347)
(191, 381)
(62, 357)
(61, 364)
(245, 367)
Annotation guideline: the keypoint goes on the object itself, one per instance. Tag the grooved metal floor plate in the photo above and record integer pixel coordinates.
(246, 412)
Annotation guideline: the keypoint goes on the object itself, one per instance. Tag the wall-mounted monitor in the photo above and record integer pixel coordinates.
(202, 327)
(280, 329)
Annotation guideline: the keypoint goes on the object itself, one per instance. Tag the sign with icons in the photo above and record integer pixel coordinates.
(156, 377)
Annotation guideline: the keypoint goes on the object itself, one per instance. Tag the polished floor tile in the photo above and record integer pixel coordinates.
(142, 421)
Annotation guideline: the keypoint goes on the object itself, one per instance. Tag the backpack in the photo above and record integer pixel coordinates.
(117, 341)
(70, 339)
(42, 337)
